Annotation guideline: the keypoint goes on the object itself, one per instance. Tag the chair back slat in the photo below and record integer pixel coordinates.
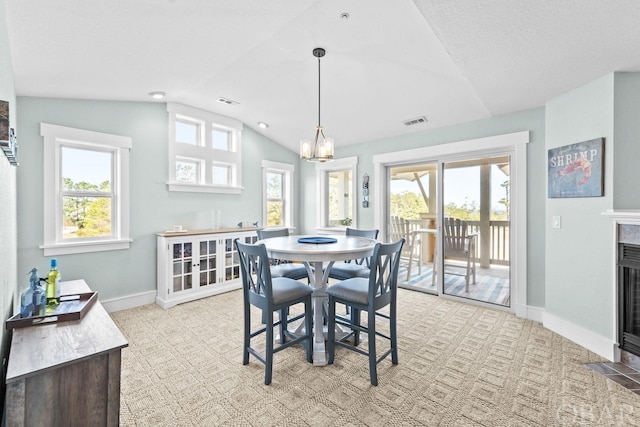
(455, 235)
(256, 274)
(385, 263)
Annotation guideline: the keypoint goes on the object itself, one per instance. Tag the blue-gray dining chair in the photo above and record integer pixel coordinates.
(353, 268)
(271, 294)
(370, 294)
(280, 268)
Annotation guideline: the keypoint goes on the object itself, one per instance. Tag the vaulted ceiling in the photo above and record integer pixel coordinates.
(387, 62)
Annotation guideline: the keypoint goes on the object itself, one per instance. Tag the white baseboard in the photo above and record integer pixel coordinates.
(598, 344)
(535, 313)
(130, 301)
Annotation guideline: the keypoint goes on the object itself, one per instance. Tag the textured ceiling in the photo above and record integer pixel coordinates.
(452, 61)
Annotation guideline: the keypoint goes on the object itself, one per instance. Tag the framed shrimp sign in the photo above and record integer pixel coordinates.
(577, 170)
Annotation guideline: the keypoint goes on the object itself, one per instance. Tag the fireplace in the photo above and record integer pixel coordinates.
(629, 297)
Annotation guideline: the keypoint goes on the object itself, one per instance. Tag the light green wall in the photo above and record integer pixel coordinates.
(626, 106)
(531, 120)
(153, 208)
(579, 255)
(8, 226)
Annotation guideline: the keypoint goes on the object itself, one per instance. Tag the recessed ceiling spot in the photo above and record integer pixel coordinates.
(416, 121)
(262, 125)
(157, 94)
(344, 16)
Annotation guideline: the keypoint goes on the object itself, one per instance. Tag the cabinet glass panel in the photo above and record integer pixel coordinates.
(208, 262)
(177, 284)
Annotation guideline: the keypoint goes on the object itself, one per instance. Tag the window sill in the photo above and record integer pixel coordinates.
(201, 188)
(85, 247)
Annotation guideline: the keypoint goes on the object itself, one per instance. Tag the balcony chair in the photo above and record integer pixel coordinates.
(353, 268)
(280, 268)
(399, 228)
(461, 245)
(370, 295)
(271, 294)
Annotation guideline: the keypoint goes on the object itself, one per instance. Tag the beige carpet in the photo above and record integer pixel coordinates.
(460, 365)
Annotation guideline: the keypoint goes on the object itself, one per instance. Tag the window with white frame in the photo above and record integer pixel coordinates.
(86, 190)
(277, 209)
(204, 151)
(337, 192)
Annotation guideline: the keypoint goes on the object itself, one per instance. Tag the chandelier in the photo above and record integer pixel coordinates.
(322, 148)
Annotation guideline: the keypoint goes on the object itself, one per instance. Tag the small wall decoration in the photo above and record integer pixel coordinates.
(8, 141)
(576, 170)
(365, 191)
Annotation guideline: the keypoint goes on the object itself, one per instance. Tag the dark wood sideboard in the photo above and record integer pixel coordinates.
(66, 373)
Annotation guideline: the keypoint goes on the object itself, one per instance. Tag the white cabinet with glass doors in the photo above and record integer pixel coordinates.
(198, 264)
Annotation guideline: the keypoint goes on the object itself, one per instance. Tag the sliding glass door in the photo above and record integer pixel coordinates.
(412, 216)
(457, 228)
(475, 229)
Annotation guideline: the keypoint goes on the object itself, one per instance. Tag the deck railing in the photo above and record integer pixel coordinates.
(499, 241)
(498, 236)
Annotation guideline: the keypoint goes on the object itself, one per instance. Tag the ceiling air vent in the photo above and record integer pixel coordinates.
(415, 121)
(227, 101)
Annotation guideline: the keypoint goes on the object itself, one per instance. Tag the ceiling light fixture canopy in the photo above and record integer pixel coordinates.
(322, 149)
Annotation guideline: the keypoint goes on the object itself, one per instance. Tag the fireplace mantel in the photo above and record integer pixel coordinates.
(622, 215)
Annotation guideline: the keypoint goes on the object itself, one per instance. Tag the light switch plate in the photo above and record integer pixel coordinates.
(556, 222)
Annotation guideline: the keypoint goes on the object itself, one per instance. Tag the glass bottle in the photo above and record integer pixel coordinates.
(53, 285)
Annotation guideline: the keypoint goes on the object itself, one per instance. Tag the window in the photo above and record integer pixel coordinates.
(86, 186)
(337, 182)
(277, 208)
(204, 151)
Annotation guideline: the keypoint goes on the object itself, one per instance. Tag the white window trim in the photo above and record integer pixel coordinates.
(54, 137)
(321, 178)
(209, 155)
(513, 143)
(288, 170)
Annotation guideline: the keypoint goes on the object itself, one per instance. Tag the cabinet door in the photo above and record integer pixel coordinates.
(208, 267)
(182, 266)
(231, 260)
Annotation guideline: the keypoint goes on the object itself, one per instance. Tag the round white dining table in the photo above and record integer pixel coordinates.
(316, 255)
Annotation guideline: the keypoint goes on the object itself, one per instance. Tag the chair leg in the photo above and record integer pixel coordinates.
(283, 325)
(355, 320)
(373, 366)
(393, 333)
(331, 333)
(308, 328)
(466, 277)
(247, 334)
(268, 356)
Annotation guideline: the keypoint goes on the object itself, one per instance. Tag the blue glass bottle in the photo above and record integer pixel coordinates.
(31, 297)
